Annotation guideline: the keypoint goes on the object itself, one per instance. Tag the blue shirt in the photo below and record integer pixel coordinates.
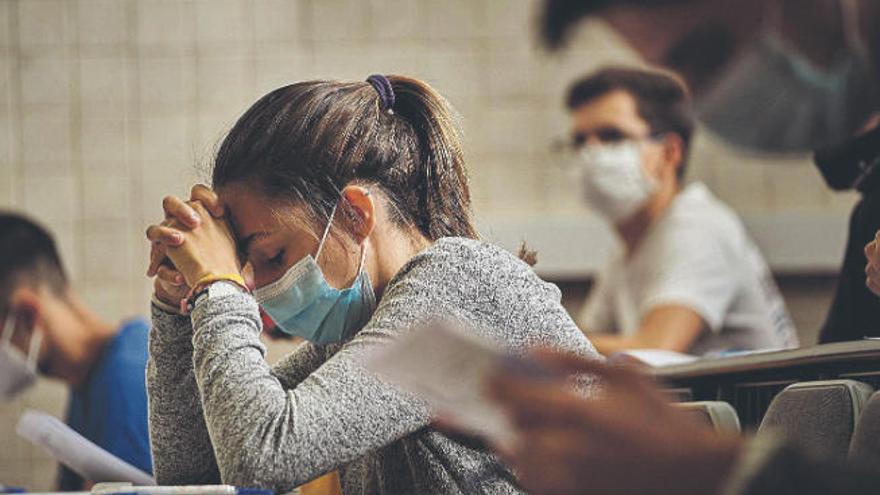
(110, 408)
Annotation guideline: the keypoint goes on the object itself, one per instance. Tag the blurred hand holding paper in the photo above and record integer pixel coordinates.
(450, 370)
(77, 452)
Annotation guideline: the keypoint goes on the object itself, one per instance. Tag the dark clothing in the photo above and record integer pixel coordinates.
(855, 312)
(791, 471)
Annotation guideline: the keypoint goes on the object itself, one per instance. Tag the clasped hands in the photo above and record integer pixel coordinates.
(193, 242)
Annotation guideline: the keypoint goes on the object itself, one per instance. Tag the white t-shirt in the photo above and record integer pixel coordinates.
(699, 256)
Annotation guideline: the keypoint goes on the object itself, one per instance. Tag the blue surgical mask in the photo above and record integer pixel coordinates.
(303, 304)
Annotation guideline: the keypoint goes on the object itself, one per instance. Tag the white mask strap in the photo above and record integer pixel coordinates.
(34, 349)
(363, 257)
(326, 232)
(8, 329)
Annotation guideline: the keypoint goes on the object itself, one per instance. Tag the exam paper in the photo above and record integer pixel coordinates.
(75, 451)
(449, 370)
(657, 357)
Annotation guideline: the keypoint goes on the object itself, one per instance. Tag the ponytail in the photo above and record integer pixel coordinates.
(445, 205)
(305, 142)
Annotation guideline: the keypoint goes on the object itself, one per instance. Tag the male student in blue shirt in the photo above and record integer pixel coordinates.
(47, 330)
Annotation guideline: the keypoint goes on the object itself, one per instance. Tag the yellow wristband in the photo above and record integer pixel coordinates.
(235, 278)
(203, 282)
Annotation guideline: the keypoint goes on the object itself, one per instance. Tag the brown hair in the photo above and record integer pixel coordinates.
(28, 257)
(305, 142)
(662, 100)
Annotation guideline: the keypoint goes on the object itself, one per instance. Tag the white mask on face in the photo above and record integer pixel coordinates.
(17, 371)
(614, 183)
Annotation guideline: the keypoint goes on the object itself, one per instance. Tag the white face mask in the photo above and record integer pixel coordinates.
(17, 371)
(614, 183)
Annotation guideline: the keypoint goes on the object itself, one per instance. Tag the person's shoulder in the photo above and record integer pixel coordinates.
(697, 212)
(458, 254)
(454, 267)
(464, 247)
(131, 337)
(125, 355)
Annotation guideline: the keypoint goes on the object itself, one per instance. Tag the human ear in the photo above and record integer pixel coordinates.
(673, 153)
(360, 211)
(27, 306)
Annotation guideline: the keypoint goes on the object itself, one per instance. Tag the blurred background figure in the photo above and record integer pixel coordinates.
(48, 330)
(855, 164)
(774, 75)
(570, 445)
(687, 277)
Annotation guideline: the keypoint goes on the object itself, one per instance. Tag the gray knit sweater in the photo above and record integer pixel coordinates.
(219, 412)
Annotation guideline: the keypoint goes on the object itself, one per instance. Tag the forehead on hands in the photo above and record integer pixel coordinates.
(257, 220)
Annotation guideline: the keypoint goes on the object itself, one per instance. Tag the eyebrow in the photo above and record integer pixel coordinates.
(245, 244)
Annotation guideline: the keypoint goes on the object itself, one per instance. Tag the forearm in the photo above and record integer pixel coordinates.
(182, 451)
(608, 344)
(671, 328)
(270, 436)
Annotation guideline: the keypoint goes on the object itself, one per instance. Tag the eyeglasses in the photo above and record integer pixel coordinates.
(604, 135)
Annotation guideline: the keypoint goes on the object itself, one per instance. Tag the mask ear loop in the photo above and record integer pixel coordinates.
(326, 232)
(34, 349)
(8, 330)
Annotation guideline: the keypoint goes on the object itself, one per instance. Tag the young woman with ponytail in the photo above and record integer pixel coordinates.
(349, 203)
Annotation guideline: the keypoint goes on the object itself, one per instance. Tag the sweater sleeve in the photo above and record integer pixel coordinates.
(182, 451)
(269, 435)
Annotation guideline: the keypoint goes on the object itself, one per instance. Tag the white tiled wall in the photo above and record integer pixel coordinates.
(108, 105)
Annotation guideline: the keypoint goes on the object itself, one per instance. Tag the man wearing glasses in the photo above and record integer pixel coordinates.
(687, 277)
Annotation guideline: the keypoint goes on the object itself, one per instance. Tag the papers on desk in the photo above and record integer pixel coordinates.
(449, 370)
(659, 358)
(655, 357)
(129, 489)
(75, 451)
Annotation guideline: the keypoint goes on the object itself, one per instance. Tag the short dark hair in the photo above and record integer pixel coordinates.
(662, 99)
(27, 257)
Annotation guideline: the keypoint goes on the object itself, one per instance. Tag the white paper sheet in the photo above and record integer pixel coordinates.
(75, 451)
(656, 357)
(450, 370)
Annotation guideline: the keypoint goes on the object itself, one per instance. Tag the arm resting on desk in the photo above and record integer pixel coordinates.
(672, 328)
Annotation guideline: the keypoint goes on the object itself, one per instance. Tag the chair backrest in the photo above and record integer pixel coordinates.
(818, 416)
(865, 446)
(717, 414)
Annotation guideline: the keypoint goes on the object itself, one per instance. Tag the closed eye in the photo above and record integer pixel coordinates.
(278, 259)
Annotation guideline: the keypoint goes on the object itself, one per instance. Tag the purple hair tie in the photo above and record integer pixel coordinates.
(386, 93)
